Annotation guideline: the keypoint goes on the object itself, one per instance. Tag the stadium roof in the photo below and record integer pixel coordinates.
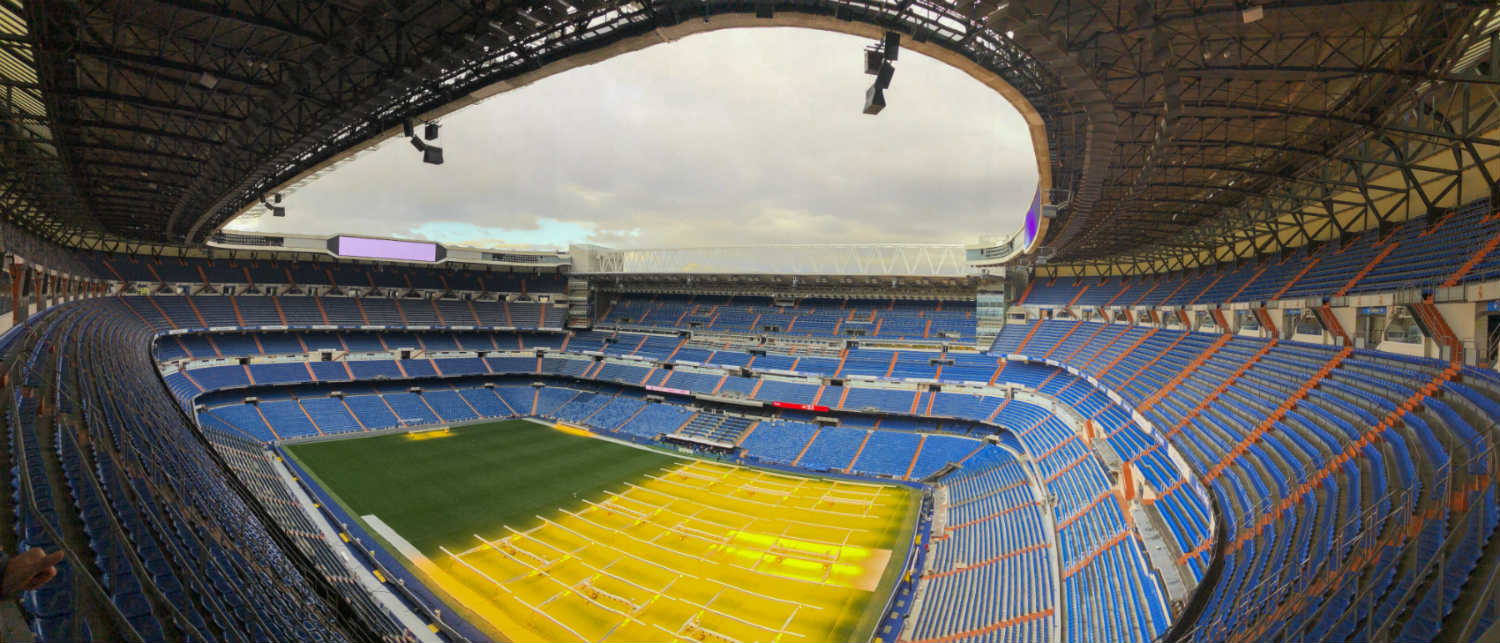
(1175, 133)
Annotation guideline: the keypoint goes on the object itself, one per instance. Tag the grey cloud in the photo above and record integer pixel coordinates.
(734, 136)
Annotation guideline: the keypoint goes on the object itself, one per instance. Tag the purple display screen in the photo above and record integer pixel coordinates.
(386, 249)
(1033, 220)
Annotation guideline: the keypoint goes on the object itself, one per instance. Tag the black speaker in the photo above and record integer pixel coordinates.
(430, 132)
(407, 129)
(883, 79)
(873, 61)
(433, 155)
(874, 100)
(892, 45)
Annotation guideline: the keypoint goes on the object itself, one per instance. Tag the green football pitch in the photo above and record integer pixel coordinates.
(440, 491)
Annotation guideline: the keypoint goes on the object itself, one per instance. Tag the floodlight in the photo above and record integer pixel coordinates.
(276, 211)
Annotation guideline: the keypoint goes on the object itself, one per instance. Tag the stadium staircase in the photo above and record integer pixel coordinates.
(805, 447)
(1432, 323)
(1074, 301)
(1107, 367)
(1151, 362)
(1220, 321)
(1062, 340)
(1026, 293)
(1029, 335)
(1325, 315)
(1280, 412)
(1221, 388)
(1375, 261)
(1084, 343)
(1264, 317)
(1260, 271)
(1207, 288)
(1473, 261)
(1185, 373)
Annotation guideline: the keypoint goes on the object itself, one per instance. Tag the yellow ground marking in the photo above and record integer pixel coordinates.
(694, 553)
(570, 430)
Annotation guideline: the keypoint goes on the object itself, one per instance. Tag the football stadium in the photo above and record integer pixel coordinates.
(1227, 372)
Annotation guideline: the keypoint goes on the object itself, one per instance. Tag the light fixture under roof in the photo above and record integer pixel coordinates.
(878, 59)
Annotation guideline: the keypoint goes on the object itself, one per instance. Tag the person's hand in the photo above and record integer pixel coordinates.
(29, 570)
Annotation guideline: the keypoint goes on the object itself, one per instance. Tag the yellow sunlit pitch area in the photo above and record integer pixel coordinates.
(697, 551)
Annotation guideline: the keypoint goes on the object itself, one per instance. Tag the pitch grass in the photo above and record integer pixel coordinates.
(441, 491)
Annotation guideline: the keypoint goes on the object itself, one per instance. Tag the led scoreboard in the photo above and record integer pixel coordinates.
(369, 248)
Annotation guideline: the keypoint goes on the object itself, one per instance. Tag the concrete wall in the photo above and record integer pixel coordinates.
(1463, 318)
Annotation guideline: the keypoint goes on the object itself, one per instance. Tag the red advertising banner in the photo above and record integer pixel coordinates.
(801, 407)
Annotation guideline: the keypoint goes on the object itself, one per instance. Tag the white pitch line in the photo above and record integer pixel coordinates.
(402, 546)
(767, 504)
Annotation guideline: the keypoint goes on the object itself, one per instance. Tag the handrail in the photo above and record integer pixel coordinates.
(27, 497)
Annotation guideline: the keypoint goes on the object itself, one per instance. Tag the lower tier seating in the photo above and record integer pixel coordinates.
(1341, 473)
(1338, 473)
(990, 574)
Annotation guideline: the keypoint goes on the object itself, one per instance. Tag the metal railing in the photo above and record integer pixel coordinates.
(1370, 541)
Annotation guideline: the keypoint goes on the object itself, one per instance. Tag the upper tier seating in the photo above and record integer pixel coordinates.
(317, 273)
(167, 312)
(885, 319)
(1419, 253)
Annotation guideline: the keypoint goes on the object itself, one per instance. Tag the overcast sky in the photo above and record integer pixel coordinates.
(734, 136)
